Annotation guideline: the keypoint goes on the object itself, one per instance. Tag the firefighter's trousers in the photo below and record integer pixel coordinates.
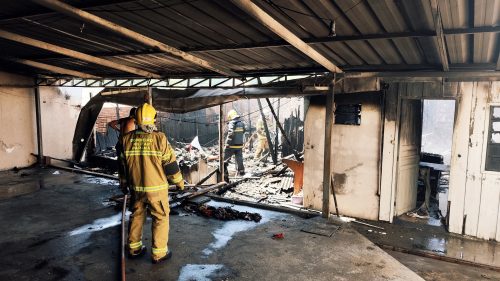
(262, 148)
(238, 156)
(159, 227)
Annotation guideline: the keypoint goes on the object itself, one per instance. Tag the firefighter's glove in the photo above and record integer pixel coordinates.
(180, 185)
(124, 187)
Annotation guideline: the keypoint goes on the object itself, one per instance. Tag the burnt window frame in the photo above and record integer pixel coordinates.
(337, 113)
(490, 143)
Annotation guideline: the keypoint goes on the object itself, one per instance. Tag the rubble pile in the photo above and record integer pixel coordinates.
(268, 190)
(221, 213)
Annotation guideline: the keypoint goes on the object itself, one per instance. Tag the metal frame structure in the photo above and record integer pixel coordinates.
(179, 83)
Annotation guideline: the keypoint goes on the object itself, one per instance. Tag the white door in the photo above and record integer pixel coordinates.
(410, 134)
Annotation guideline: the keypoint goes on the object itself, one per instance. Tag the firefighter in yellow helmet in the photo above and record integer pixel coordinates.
(262, 144)
(234, 140)
(150, 164)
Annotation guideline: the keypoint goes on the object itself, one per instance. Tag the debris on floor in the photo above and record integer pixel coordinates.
(321, 229)
(222, 213)
(278, 236)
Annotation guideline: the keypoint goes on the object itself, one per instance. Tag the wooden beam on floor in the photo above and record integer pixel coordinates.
(53, 68)
(101, 22)
(264, 18)
(75, 54)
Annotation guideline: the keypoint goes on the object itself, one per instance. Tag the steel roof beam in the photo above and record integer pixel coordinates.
(425, 74)
(264, 18)
(319, 40)
(74, 54)
(101, 22)
(82, 5)
(52, 68)
(438, 24)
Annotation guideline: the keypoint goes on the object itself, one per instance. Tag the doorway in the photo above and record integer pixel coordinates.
(424, 153)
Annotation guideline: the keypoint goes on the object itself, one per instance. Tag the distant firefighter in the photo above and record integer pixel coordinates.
(234, 140)
(262, 144)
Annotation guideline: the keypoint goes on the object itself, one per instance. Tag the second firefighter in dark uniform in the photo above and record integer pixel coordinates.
(234, 140)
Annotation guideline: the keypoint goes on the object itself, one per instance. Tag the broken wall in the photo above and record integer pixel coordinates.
(474, 194)
(17, 118)
(355, 157)
(59, 111)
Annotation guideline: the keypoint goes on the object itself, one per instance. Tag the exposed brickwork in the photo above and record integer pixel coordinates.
(107, 115)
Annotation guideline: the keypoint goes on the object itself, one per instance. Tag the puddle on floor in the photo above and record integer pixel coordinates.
(199, 272)
(100, 181)
(434, 244)
(224, 234)
(100, 224)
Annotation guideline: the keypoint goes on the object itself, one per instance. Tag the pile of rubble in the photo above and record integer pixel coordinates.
(259, 186)
(221, 213)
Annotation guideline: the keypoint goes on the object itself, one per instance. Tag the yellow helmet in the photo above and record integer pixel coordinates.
(145, 114)
(232, 114)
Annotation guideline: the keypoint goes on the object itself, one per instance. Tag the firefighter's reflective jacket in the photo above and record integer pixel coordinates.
(235, 132)
(150, 164)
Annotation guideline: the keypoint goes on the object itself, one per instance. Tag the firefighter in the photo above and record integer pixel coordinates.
(234, 140)
(124, 125)
(262, 144)
(150, 164)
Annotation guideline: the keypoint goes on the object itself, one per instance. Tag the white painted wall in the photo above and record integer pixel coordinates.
(17, 122)
(60, 110)
(18, 139)
(474, 192)
(314, 143)
(355, 158)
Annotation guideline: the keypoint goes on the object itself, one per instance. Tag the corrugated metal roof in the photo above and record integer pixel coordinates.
(219, 32)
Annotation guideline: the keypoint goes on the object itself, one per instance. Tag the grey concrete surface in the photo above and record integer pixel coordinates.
(66, 231)
(436, 270)
(433, 239)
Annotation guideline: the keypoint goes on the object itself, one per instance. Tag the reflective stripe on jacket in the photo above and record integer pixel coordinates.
(261, 132)
(150, 163)
(235, 133)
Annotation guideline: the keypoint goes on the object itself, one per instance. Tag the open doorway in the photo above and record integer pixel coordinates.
(425, 141)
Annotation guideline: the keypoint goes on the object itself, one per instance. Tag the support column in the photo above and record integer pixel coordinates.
(327, 171)
(149, 98)
(38, 124)
(276, 138)
(221, 143)
(268, 136)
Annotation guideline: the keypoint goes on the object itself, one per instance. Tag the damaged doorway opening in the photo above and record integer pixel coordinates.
(195, 134)
(425, 141)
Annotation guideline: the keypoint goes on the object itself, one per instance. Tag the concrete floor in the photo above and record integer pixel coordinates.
(66, 231)
(407, 235)
(436, 270)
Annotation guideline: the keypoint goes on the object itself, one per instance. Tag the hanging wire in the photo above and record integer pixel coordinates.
(310, 15)
(216, 122)
(331, 22)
